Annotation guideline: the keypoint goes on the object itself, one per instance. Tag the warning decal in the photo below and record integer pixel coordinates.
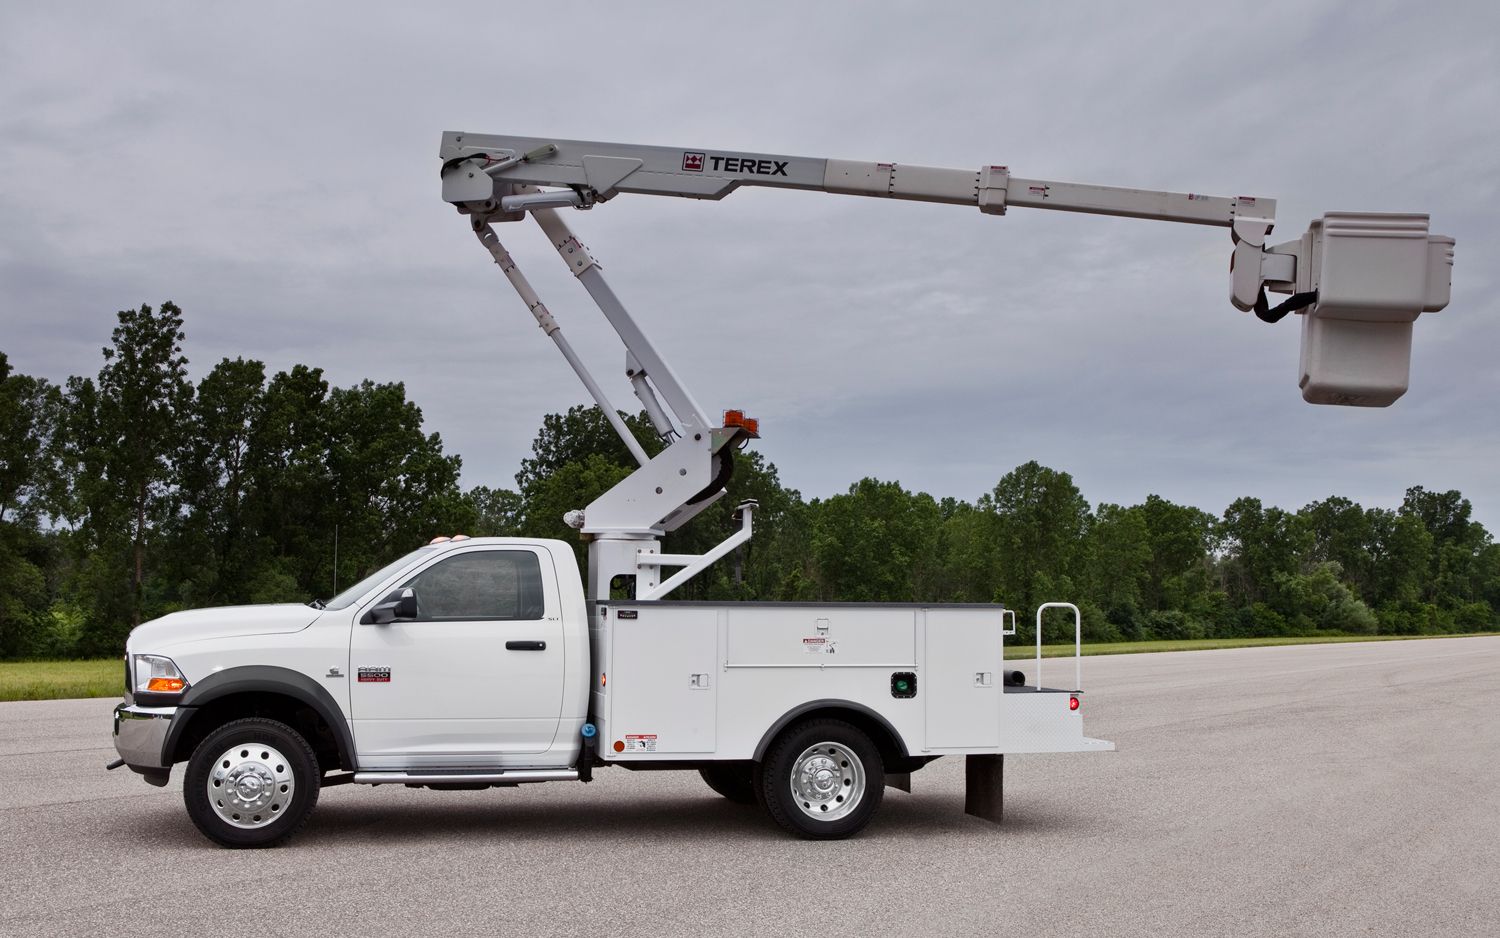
(819, 646)
(640, 742)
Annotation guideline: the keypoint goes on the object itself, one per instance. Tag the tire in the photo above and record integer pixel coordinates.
(822, 779)
(733, 780)
(251, 783)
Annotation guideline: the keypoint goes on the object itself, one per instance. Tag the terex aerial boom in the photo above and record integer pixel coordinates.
(1359, 279)
(480, 662)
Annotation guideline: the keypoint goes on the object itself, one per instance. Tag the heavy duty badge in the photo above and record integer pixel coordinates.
(374, 675)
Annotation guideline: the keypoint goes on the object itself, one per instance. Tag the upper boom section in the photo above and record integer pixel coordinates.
(1358, 279)
(604, 169)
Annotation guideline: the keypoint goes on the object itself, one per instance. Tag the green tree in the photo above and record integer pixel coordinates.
(212, 556)
(1260, 544)
(341, 480)
(1341, 534)
(145, 392)
(23, 593)
(288, 504)
(1041, 522)
(392, 486)
(120, 440)
(1457, 576)
(30, 409)
(1119, 555)
(876, 543)
(1445, 515)
(87, 499)
(1180, 539)
(574, 436)
(1400, 555)
(968, 554)
(1319, 600)
(1119, 566)
(497, 512)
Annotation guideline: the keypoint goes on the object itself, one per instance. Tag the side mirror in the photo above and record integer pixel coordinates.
(401, 608)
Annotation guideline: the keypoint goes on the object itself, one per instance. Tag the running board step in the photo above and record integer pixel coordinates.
(512, 777)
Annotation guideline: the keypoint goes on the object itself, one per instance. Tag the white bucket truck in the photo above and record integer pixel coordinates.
(479, 662)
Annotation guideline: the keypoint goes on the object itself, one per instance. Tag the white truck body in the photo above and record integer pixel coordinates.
(688, 680)
(661, 681)
(500, 673)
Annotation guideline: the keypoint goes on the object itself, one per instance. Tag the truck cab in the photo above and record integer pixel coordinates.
(465, 654)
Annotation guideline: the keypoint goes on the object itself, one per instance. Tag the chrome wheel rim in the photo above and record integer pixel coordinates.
(828, 781)
(250, 785)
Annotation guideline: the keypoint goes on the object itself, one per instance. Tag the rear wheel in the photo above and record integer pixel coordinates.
(822, 779)
(251, 783)
(733, 780)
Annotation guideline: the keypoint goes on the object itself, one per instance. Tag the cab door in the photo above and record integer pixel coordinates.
(475, 678)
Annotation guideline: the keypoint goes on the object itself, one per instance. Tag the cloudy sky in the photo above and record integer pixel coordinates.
(273, 169)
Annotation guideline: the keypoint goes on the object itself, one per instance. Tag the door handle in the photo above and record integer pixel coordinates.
(525, 646)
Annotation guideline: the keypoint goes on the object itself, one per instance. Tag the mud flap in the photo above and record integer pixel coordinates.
(898, 780)
(984, 786)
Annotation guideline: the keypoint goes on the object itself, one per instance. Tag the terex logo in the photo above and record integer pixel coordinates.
(745, 164)
(693, 163)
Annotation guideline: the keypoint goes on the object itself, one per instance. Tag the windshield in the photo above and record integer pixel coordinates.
(348, 596)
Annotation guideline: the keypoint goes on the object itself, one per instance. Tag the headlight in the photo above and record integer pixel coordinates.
(157, 675)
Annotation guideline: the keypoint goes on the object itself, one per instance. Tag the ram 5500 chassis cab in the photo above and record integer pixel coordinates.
(490, 662)
(478, 662)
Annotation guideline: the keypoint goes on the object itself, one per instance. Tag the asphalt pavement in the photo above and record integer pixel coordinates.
(1312, 790)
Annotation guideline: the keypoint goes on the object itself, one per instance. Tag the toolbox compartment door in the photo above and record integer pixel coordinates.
(962, 682)
(663, 681)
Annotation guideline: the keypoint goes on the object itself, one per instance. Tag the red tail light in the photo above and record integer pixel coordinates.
(1072, 703)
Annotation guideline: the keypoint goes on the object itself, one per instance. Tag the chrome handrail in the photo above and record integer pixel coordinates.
(1077, 643)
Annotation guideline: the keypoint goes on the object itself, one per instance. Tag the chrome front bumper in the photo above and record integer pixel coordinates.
(141, 733)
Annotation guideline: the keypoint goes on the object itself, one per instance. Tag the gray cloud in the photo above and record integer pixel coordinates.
(273, 170)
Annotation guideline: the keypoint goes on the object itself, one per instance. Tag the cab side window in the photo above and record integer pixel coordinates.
(491, 584)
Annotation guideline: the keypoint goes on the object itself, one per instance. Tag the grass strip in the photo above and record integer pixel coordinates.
(57, 680)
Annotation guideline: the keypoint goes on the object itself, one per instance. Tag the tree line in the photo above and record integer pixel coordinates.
(136, 492)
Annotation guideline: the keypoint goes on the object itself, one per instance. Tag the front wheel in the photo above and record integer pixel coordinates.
(822, 779)
(251, 783)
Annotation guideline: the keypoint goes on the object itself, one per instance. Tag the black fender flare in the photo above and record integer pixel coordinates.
(828, 704)
(263, 679)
